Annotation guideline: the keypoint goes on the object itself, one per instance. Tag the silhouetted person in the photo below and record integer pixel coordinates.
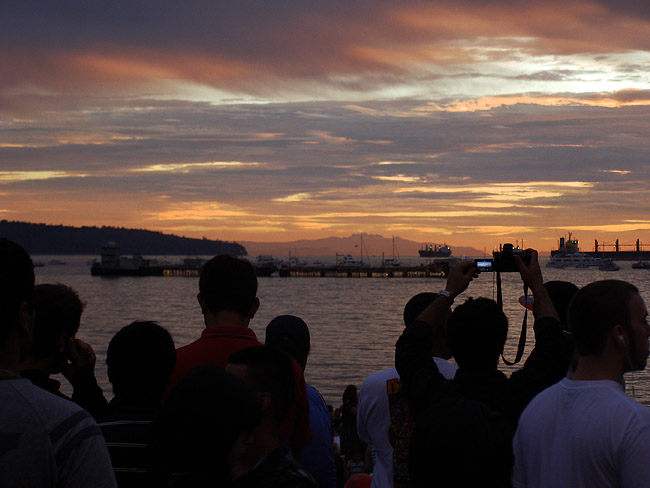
(206, 421)
(353, 449)
(383, 417)
(55, 349)
(464, 428)
(584, 430)
(45, 440)
(266, 460)
(291, 335)
(140, 359)
(228, 299)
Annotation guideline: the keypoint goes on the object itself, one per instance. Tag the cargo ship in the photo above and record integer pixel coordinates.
(435, 251)
(615, 252)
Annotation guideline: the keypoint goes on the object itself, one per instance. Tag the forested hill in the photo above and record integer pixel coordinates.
(60, 239)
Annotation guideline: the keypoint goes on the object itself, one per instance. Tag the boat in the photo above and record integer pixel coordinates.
(266, 265)
(568, 255)
(39, 264)
(56, 262)
(641, 265)
(292, 263)
(113, 263)
(393, 262)
(435, 251)
(609, 265)
(577, 260)
(349, 262)
(614, 251)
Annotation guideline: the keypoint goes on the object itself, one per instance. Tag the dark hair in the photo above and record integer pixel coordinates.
(58, 311)
(269, 370)
(595, 310)
(476, 332)
(416, 305)
(561, 293)
(16, 284)
(140, 359)
(205, 414)
(291, 335)
(228, 283)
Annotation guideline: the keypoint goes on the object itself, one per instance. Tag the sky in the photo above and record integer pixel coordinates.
(467, 122)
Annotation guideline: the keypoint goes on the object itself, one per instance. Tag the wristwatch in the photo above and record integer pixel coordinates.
(446, 293)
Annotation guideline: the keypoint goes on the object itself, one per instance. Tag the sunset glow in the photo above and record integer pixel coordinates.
(471, 123)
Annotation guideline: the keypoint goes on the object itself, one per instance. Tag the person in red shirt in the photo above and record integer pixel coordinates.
(228, 299)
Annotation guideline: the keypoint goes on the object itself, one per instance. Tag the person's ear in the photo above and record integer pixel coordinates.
(26, 319)
(254, 308)
(201, 301)
(618, 333)
(265, 400)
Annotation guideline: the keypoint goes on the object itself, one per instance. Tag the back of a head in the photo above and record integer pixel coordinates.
(207, 411)
(561, 293)
(16, 284)
(58, 311)
(291, 335)
(228, 283)
(595, 310)
(140, 359)
(269, 370)
(476, 332)
(416, 305)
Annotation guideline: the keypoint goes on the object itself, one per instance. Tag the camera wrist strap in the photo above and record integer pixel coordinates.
(522, 336)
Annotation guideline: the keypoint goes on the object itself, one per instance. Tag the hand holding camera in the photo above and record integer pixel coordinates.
(503, 261)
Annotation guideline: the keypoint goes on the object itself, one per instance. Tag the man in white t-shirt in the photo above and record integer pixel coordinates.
(383, 418)
(45, 440)
(584, 431)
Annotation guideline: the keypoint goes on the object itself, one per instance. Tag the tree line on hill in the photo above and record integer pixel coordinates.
(61, 239)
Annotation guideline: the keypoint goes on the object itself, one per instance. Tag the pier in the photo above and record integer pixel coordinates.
(433, 270)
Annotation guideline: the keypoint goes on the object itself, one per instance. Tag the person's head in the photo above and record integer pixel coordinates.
(561, 293)
(140, 359)
(350, 401)
(16, 292)
(476, 332)
(414, 307)
(58, 310)
(228, 284)
(269, 372)
(610, 311)
(205, 418)
(291, 335)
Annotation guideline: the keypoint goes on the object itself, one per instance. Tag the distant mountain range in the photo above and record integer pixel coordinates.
(60, 239)
(373, 245)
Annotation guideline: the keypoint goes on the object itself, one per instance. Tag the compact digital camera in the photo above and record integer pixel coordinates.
(503, 261)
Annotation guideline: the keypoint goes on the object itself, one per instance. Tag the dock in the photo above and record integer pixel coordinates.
(433, 270)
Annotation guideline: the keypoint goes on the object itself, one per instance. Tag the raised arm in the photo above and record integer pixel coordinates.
(549, 360)
(418, 373)
(531, 275)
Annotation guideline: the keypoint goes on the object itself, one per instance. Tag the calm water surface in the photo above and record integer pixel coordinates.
(354, 322)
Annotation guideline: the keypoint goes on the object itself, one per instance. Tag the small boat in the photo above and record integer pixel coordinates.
(393, 262)
(609, 266)
(641, 265)
(56, 262)
(349, 262)
(265, 265)
(39, 264)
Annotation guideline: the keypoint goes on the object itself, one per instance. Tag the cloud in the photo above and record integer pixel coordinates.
(315, 51)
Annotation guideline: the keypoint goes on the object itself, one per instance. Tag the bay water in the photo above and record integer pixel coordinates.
(354, 322)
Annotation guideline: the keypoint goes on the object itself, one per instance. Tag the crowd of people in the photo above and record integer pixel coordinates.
(227, 410)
